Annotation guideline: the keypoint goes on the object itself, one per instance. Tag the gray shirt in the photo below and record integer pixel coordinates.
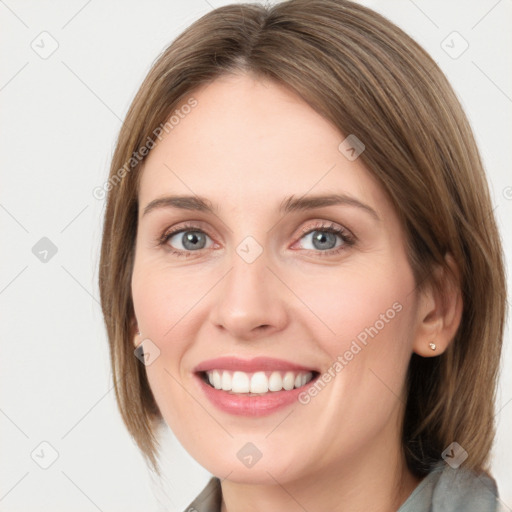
(443, 490)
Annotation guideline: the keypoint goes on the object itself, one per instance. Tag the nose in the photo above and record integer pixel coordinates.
(249, 301)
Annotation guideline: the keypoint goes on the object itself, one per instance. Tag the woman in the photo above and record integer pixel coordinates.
(299, 244)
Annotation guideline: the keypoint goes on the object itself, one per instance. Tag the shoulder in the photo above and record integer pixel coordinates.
(465, 490)
(209, 499)
(446, 489)
(443, 490)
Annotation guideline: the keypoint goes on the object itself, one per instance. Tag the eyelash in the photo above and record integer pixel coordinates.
(347, 238)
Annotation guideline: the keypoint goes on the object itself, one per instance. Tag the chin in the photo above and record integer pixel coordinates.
(253, 462)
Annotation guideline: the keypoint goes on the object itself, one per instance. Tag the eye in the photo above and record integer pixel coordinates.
(185, 240)
(190, 240)
(327, 239)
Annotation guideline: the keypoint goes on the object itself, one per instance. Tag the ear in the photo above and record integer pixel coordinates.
(135, 334)
(439, 311)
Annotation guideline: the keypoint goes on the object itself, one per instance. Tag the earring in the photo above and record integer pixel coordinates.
(432, 346)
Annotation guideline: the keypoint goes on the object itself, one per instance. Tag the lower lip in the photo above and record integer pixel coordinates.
(256, 405)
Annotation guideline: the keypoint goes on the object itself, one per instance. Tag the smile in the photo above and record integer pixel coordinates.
(256, 387)
(260, 382)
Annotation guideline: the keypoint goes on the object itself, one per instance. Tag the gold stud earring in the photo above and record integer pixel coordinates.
(432, 346)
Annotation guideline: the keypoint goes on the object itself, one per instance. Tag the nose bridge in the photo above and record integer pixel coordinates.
(248, 277)
(249, 297)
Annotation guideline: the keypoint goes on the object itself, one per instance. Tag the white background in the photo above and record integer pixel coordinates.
(60, 118)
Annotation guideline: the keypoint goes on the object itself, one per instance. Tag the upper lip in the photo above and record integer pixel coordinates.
(250, 365)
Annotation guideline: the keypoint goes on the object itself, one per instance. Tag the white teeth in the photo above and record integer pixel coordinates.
(258, 382)
(217, 380)
(275, 383)
(240, 382)
(288, 380)
(226, 381)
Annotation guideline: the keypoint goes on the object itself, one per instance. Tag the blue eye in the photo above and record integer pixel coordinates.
(191, 239)
(322, 237)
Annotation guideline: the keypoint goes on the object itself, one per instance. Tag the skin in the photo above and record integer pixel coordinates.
(247, 146)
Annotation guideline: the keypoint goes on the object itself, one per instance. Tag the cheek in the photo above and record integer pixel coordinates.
(164, 301)
(366, 332)
(166, 306)
(360, 305)
(371, 314)
(163, 308)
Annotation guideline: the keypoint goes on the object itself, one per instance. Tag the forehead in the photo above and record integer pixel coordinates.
(250, 142)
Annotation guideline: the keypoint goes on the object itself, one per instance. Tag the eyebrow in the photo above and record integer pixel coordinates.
(311, 202)
(290, 204)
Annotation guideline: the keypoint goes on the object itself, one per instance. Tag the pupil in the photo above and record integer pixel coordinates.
(192, 238)
(321, 238)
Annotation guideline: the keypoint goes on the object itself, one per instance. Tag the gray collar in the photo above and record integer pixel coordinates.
(442, 490)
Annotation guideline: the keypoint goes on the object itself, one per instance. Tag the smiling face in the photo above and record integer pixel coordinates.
(322, 285)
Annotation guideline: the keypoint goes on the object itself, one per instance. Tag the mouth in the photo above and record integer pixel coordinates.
(259, 383)
(256, 387)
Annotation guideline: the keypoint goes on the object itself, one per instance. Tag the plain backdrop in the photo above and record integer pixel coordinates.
(68, 72)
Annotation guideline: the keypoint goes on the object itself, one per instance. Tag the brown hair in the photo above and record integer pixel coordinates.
(370, 79)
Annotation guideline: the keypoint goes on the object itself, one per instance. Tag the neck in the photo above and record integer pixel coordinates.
(377, 480)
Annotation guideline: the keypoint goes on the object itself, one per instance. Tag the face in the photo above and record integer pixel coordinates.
(247, 284)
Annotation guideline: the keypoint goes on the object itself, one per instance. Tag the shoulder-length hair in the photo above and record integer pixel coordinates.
(370, 79)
